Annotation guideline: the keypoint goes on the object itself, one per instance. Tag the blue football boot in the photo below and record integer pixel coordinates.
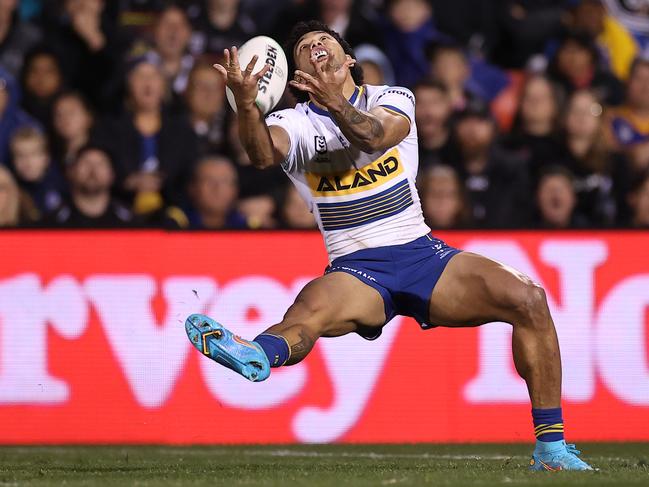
(557, 455)
(224, 347)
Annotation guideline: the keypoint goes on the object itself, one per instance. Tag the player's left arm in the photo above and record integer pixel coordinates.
(372, 131)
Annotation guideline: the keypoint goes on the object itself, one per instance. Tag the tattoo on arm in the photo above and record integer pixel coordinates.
(361, 129)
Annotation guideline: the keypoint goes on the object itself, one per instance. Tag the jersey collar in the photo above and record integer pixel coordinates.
(352, 99)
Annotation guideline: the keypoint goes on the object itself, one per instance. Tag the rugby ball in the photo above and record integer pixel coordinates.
(273, 83)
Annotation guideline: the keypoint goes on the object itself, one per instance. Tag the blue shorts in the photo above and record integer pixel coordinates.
(405, 275)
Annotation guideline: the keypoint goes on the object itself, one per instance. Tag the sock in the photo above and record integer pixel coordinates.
(548, 424)
(275, 347)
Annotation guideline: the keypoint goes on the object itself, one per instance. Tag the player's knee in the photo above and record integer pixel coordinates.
(530, 304)
(307, 311)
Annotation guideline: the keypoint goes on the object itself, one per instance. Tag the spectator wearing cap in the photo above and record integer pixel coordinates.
(42, 80)
(443, 198)
(587, 155)
(12, 117)
(35, 171)
(155, 148)
(535, 131)
(213, 194)
(638, 199)
(432, 114)
(377, 69)
(576, 65)
(496, 181)
(91, 204)
(556, 201)
(16, 37)
(72, 121)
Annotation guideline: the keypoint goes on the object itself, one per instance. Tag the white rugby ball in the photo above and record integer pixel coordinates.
(273, 83)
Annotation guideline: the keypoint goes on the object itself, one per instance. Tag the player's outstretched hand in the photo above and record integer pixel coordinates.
(244, 84)
(326, 85)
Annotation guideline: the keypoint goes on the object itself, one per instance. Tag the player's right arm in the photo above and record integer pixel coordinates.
(265, 145)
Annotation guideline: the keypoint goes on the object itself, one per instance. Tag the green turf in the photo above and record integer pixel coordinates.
(337, 465)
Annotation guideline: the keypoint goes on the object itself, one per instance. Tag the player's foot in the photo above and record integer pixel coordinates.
(557, 455)
(216, 342)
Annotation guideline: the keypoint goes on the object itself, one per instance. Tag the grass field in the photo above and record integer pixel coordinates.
(330, 465)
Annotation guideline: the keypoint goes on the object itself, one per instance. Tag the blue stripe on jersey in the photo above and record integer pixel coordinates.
(350, 214)
(395, 109)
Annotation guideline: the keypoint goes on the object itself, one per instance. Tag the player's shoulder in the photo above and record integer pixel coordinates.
(375, 93)
(287, 113)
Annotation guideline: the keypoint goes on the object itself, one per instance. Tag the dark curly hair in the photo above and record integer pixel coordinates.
(302, 28)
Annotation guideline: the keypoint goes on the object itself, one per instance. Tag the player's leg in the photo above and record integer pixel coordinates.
(474, 290)
(499, 293)
(332, 305)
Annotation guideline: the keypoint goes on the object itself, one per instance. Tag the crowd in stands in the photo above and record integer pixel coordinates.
(530, 113)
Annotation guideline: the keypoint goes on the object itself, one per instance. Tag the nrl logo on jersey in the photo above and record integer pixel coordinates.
(356, 180)
(320, 144)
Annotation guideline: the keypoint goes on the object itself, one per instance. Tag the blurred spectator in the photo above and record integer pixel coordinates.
(534, 135)
(213, 192)
(252, 181)
(293, 210)
(91, 205)
(11, 116)
(576, 66)
(42, 80)
(630, 122)
(354, 20)
(639, 202)
(472, 23)
(37, 175)
(432, 112)
(497, 182)
(222, 25)
(259, 211)
(587, 155)
(73, 121)
(377, 69)
(171, 40)
(634, 16)
(616, 44)
(408, 30)
(525, 26)
(463, 77)
(85, 34)
(15, 208)
(16, 37)
(155, 149)
(205, 99)
(556, 200)
(443, 198)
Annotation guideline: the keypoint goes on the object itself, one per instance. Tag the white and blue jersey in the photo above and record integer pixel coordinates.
(359, 200)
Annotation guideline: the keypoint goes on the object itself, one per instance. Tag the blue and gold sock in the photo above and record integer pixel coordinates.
(548, 424)
(275, 347)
